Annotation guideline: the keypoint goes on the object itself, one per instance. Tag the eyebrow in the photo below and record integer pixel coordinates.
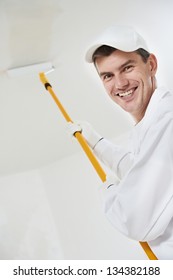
(101, 74)
(127, 63)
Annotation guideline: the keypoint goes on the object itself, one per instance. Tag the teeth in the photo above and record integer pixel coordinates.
(125, 93)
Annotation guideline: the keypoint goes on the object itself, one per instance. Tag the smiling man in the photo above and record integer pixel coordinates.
(140, 203)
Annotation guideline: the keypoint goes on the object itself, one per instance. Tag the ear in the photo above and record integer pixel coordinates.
(152, 60)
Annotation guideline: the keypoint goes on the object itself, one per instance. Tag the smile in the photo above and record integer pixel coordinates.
(125, 93)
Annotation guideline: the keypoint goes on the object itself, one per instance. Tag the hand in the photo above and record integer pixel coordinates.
(90, 135)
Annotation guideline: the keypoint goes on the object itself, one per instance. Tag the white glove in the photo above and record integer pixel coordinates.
(90, 135)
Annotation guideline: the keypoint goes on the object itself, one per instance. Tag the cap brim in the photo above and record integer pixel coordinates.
(91, 51)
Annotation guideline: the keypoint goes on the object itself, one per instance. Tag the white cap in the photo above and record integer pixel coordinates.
(123, 38)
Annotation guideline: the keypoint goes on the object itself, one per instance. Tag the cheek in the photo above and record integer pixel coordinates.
(145, 75)
(109, 91)
(108, 87)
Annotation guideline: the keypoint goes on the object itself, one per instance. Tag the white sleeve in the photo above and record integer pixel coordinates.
(141, 205)
(117, 158)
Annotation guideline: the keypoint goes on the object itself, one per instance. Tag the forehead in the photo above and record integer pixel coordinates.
(117, 59)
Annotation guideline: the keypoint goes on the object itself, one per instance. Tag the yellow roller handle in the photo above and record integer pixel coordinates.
(78, 135)
(148, 251)
(88, 152)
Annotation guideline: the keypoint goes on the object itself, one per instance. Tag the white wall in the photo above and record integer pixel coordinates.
(27, 226)
(55, 213)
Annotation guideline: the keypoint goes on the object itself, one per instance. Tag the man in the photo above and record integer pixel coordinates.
(140, 203)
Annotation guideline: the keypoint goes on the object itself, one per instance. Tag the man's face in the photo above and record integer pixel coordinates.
(128, 80)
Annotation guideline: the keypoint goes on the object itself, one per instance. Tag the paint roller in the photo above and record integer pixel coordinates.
(46, 67)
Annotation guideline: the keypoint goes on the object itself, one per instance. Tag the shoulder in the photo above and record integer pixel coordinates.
(160, 106)
(163, 99)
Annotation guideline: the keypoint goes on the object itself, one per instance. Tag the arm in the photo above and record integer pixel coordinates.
(117, 158)
(140, 206)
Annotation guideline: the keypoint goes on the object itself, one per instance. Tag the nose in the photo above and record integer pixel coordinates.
(120, 82)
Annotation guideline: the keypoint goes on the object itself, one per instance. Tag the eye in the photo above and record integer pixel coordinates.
(128, 68)
(107, 77)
